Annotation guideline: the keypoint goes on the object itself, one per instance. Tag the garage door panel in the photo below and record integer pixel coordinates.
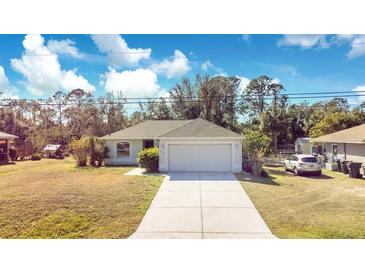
(200, 157)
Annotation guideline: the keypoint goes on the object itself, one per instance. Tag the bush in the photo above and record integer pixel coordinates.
(88, 149)
(255, 145)
(80, 150)
(36, 157)
(97, 151)
(13, 153)
(148, 159)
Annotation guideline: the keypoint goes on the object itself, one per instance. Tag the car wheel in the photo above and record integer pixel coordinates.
(296, 172)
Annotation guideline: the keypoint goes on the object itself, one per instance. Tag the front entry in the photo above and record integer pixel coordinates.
(148, 143)
(200, 157)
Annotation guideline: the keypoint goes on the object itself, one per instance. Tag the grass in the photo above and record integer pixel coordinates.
(54, 199)
(330, 206)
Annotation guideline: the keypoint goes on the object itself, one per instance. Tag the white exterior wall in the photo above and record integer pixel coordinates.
(236, 149)
(135, 147)
(303, 148)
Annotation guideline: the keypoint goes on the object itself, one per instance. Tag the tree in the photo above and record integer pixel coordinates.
(337, 121)
(218, 100)
(214, 99)
(157, 110)
(255, 95)
(255, 145)
(184, 100)
(135, 118)
(112, 112)
(80, 149)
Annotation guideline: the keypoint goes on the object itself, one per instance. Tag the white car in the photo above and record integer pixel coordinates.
(303, 163)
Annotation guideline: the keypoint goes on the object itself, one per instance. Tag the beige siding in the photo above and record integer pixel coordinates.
(356, 152)
(135, 147)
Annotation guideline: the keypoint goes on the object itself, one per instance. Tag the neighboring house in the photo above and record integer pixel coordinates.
(185, 145)
(303, 146)
(348, 144)
(6, 140)
(52, 150)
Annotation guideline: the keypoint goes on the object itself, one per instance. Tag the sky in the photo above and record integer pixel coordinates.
(36, 66)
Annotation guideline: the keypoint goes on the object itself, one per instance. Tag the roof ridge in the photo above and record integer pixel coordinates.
(190, 121)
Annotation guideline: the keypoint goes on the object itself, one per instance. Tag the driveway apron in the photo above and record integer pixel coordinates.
(202, 205)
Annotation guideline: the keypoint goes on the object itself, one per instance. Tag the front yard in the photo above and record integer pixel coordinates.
(330, 206)
(54, 199)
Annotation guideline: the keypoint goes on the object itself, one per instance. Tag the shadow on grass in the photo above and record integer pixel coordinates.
(306, 175)
(321, 177)
(249, 178)
(8, 164)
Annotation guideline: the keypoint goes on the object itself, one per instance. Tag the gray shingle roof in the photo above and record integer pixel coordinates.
(4, 135)
(149, 129)
(154, 129)
(201, 128)
(350, 135)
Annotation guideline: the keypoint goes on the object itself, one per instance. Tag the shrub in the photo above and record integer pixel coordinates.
(255, 145)
(98, 152)
(148, 159)
(13, 153)
(36, 157)
(80, 150)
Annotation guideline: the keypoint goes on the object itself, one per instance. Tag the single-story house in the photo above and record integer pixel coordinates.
(6, 141)
(348, 144)
(185, 145)
(303, 146)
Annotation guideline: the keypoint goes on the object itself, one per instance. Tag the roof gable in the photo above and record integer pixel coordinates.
(201, 128)
(350, 135)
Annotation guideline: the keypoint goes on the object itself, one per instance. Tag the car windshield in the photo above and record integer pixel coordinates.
(309, 160)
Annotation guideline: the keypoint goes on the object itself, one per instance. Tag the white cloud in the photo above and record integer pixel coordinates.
(4, 81)
(357, 47)
(175, 66)
(117, 50)
(132, 83)
(205, 66)
(244, 82)
(359, 99)
(42, 70)
(6, 90)
(245, 37)
(66, 47)
(209, 66)
(276, 80)
(303, 40)
(356, 42)
(72, 80)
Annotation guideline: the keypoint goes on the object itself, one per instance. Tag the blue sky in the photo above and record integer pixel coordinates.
(35, 66)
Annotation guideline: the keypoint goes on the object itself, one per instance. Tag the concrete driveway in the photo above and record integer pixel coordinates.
(202, 205)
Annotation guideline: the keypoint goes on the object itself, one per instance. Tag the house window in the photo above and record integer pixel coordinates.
(123, 149)
(334, 149)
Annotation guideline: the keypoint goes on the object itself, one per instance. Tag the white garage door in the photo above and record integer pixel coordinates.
(200, 157)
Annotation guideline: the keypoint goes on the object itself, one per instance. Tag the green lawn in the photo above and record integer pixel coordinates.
(330, 206)
(54, 199)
